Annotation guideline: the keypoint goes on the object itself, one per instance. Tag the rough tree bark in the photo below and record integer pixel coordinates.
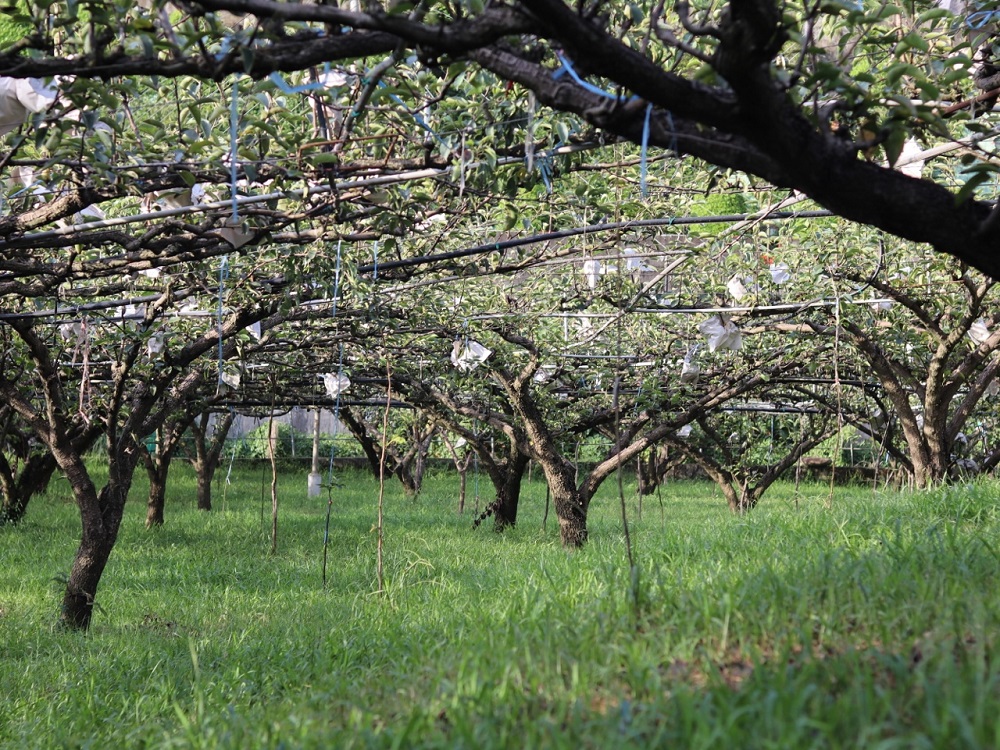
(17, 488)
(101, 512)
(653, 467)
(508, 490)
(156, 471)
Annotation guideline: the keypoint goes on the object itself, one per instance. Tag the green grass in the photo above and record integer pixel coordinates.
(867, 624)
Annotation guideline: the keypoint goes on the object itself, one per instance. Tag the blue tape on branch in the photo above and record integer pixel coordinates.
(544, 170)
(375, 263)
(567, 67)
(234, 127)
(979, 19)
(643, 160)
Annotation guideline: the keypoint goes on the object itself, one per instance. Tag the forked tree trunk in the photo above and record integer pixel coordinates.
(928, 465)
(748, 499)
(741, 498)
(208, 454)
(569, 503)
(653, 467)
(101, 515)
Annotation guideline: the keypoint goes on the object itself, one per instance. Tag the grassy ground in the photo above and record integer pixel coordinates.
(868, 624)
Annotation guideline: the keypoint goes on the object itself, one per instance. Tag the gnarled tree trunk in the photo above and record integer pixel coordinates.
(101, 514)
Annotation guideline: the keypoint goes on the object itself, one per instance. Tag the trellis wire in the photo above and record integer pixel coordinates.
(593, 229)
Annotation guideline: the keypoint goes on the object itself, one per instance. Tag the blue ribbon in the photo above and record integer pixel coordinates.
(567, 67)
(980, 18)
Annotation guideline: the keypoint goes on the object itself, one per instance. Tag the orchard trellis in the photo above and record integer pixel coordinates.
(222, 203)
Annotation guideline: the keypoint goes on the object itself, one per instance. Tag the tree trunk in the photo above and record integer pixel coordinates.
(34, 477)
(504, 510)
(572, 518)
(381, 458)
(734, 499)
(921, 461)
(406, 478)
(652, 469)
(748, 499)
(157, 465)
(571, 510)
(360, 430)
(157, 499)
(88, 566)
(569, 502)
(205, 474)
(509, 492)
(32, 480)
(101, 515)
(409, 467)
(208, 454)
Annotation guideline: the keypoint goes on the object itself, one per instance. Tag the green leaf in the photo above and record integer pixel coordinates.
(896, 71)
(932, 14)
(916, 41)
(979, 177)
